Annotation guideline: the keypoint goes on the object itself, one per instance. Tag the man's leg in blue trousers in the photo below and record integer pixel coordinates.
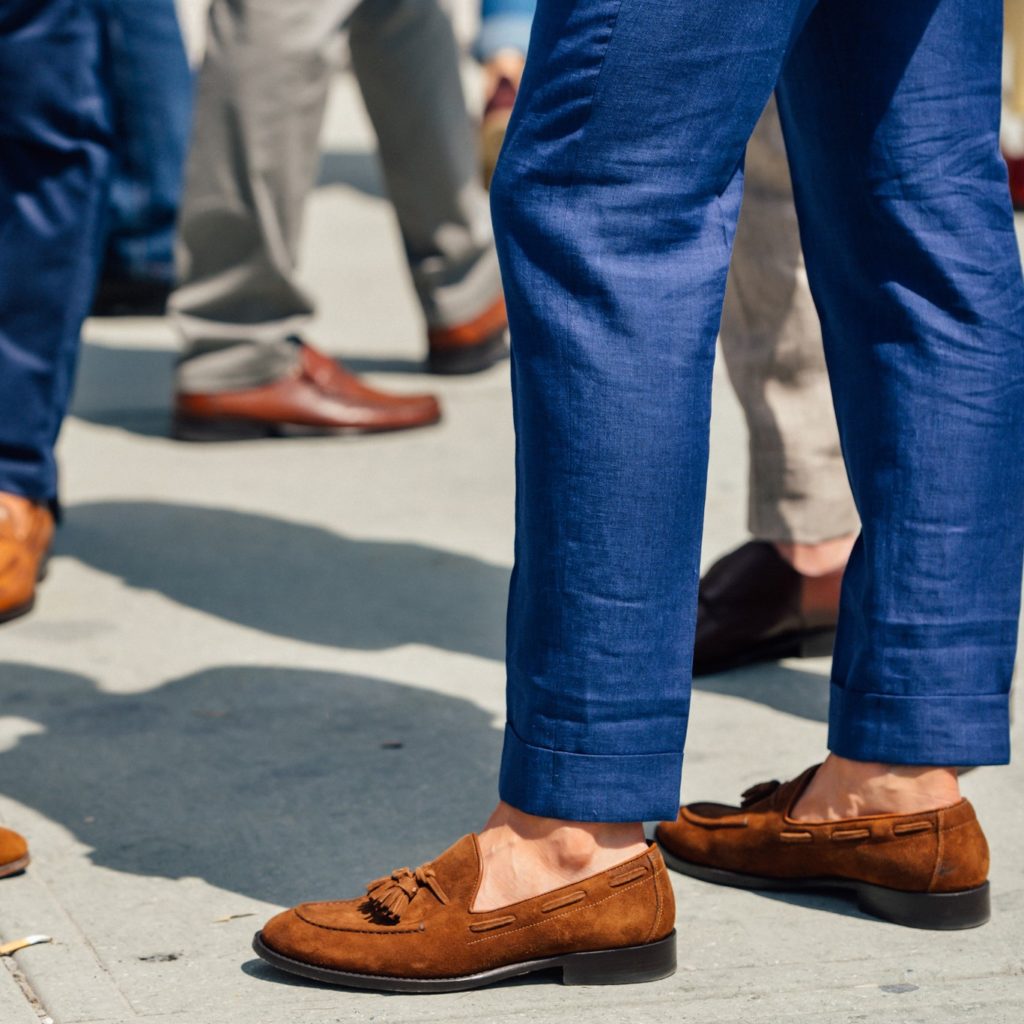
(908, 233)
(54, 136)
(151, 85)
(615, 203)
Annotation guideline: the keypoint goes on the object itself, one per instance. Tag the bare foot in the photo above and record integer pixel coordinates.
(844, 789)
(524, 856)
(818, 559)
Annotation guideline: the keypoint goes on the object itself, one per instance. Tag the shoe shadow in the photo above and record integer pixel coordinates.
(274, 783)
(804, 694)
(294, 580)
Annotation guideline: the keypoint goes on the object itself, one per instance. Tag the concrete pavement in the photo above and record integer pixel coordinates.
(272, 671)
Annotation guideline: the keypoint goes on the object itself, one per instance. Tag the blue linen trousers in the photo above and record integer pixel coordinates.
(615, 203)
(151, 93)
(54, 171)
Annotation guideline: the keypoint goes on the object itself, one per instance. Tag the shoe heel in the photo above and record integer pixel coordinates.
(818, 645)
(629, 966)
(939, 911)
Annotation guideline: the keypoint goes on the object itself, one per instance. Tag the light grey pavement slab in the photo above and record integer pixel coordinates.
(198, 725)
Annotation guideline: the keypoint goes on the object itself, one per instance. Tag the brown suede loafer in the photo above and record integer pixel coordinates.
(754, 606)
(319, 397)
(414, 931)
(26, 532)
(13, 853)
(924, 870)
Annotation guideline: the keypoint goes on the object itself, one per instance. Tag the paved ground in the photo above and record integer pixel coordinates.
(202, 721)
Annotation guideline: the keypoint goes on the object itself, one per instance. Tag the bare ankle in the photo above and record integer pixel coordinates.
(525, 855)
(843, 789)
(819, 559)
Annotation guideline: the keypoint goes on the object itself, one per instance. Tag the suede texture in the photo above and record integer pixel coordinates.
(26, 532)
(436, 935)
(13, 852)
(932, 852)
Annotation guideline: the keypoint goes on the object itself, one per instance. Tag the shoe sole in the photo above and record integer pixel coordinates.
(630, 965)
(469, 358)
(815, 644)
(942, 911)
(16, 867)
(190, 428)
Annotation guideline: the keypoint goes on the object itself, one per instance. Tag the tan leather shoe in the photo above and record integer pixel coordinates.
(414, 930)
(13, 853)
(472, 346)
(319, 397)
(925, 870)
(26, 532)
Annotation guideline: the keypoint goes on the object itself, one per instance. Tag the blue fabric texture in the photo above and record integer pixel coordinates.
(55, 138)
(615, 204)
(151, 85)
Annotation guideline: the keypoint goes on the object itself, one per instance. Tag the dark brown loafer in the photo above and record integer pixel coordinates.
(13, 853)
(924, 870)
(26, 532)
(754, 606)
(472, 346)
(414, 931)
(319, 397)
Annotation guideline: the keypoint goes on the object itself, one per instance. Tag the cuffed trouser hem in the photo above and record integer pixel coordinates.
(947, 731)
(589, 787)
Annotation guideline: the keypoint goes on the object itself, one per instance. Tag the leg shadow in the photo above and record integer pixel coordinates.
(274, 783)
(294, 580)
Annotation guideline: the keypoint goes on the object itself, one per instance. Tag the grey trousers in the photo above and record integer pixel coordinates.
(771, 341)
(254, 159)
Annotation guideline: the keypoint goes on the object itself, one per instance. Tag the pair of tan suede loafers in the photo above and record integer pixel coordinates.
(416, 931)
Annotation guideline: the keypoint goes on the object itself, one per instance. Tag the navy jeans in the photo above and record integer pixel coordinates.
(54, 167)
(151, 86)
(615, 203)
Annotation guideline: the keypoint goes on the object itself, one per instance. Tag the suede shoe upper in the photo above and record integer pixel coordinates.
(418, 924)
(930, 852)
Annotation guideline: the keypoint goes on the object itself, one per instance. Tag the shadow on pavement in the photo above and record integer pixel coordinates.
(792, 691)
(355, 168)
(276, 783)
(295, 580)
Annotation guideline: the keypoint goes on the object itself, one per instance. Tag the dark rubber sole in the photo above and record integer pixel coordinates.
(935, 911)
(469, 358)
(816, 644)
(196, 429)
(631, 965)
(16, 867)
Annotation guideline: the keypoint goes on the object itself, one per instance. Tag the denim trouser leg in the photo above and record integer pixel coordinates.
(913, 261)
(151, 84)
(615, 205)
(54, 135)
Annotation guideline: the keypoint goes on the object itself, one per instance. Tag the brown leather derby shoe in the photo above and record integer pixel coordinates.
(318, 397)
(414, 931)
(472, 346)
(13, 853)
(925, 870)
(754, 606)
(26, 532)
